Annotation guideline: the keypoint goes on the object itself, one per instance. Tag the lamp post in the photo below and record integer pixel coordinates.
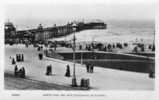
(93, 47)
(74, 83)
(154, 38)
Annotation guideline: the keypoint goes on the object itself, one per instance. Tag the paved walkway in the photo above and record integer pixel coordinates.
(101, 79)
(14, 83)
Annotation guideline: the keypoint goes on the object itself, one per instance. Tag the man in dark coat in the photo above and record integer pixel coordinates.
(17, 57)
(40, 56)
(15, 70)
(87, 67)
(13, 61)
(91, 68)
(22, 57)
(49, 70)
(67, 71)
(23, 72)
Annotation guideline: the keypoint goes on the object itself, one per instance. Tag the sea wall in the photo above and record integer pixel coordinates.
(116, 61)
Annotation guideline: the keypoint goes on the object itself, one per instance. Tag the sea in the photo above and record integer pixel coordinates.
(117, 30)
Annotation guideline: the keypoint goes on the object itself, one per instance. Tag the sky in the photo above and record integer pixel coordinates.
(139, 11)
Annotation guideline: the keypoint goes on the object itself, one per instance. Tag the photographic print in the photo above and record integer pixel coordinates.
(79, 47)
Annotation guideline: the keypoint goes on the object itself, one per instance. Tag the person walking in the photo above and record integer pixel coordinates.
(68, 71)
(22, 57)
(13, 61)
(40, 56)
(23, 72)
(91, 68)
(17, 57)
(49, 70)
(87, 68)
(15, 70)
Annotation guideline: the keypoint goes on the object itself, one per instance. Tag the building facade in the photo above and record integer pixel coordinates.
(10, 30)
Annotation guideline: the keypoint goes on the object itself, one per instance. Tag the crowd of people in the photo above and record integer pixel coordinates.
(88, 46)
(107, 47)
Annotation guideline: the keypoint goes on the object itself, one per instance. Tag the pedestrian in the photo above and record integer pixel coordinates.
(40, 56)
(68, 71)
(26, 45)
(38, 49)
(49, 70)
(152, 71)
(86, 47)
(23, 72)
(105, 48)
(20, 72)
(41, 47)
(87, 68)
(45, 52)
(15, 70)
(17, 57)
(22, 57)
(91, 68)
(13, 61)
(80, 47)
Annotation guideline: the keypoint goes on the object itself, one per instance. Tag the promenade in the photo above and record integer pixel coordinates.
(101, 79)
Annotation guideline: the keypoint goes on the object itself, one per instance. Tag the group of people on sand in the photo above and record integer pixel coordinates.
(109, 47)
(142, 48)
(102, 47)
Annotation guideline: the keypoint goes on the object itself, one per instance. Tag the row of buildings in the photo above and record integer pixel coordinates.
(42, 34)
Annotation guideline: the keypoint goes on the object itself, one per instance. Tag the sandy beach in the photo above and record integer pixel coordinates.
(104, 36)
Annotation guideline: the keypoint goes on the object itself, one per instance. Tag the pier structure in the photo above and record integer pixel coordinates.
(42, 33)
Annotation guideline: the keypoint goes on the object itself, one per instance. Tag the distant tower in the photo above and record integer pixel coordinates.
(39, 36)
(40, 27)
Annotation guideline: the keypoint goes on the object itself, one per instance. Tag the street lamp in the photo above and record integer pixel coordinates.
(93, 47)
(74, 82)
